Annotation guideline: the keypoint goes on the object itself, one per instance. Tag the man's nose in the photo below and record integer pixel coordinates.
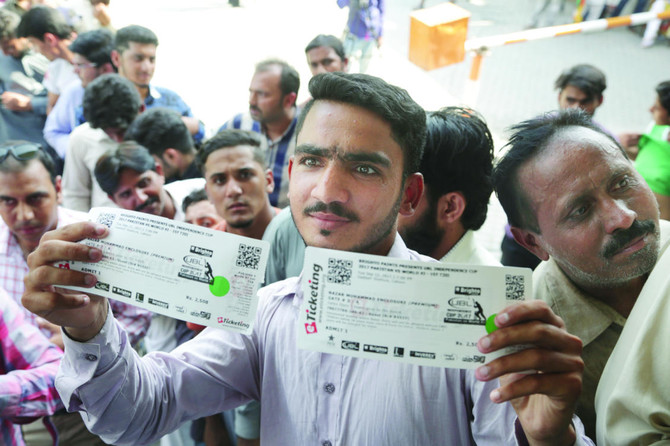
(233, 188)
(618, 216)
(25, 212)
(331, 185)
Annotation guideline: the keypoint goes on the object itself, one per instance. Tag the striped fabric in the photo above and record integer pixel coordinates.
(28, 366)
(13, 269)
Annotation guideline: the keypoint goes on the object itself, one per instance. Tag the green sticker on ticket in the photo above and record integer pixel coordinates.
(220, 286)
(491, 324)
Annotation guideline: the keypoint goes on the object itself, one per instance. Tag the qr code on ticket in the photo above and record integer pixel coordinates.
(106, 219)
(248, 256)
(514, 287)
(339, 271)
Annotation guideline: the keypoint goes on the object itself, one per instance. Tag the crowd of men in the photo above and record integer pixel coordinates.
(357, 167)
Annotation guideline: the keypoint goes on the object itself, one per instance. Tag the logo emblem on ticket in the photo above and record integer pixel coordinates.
(464, 310)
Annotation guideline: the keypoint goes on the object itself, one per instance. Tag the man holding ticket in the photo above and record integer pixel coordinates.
(358, 148)
(575, 200)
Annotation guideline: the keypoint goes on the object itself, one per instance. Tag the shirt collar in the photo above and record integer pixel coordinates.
(585, 316)
(152, 96)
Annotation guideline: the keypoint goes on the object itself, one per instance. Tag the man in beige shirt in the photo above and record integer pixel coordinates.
(575, 200)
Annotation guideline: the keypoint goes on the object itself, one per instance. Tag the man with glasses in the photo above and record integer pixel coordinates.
(29, 195)
(91, 58)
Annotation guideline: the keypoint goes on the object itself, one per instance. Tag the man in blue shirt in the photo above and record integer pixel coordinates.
(273, 113)
(92, 58)
(134, 55)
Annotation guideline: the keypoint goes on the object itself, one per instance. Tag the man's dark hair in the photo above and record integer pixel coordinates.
(663, 92)
(328, 41)
(158, 129)
(392, 104)
(12, 165)
(9, 22)
(111, 101)
(289, 81)
(40, 20)
(96, 46)
(587, 78)
(458, 156)
(529, 139)
(230, 138)
(194, 197)
(133, 33)
(127, 155)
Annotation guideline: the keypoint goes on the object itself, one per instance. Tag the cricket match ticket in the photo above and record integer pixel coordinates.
(424, 313)
(177, 269)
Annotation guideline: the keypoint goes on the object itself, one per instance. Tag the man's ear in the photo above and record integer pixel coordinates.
(270, 178)
(172, 156)
(116, 58)
(58, 187)
(450, 208)
(530, 241)
(412, 194)
(159, 169)
(50, 39)
(289, 99)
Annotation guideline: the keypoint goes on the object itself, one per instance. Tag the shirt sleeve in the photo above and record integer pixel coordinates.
(29, 367)
(58, 127)
(39, 104)
(131, 400)
(77, 182)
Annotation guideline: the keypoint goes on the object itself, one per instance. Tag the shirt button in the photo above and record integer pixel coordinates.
(90, 357)
(329, 387)
(326, 443)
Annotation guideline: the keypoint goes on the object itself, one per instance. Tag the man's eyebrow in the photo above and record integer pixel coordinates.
(38, 194)
(369, 157)
(309, 149)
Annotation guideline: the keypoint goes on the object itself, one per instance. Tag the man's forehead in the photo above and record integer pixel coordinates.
(323, 52)
(137, 48)
(569, 148)
(231, 154)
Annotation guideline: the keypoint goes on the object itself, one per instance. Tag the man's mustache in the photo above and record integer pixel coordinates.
(149, 202)
(623, 237)
(334, 208)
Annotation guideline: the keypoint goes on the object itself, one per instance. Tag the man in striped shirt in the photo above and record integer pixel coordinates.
(29, 195)
(273, 113)
(27, 371)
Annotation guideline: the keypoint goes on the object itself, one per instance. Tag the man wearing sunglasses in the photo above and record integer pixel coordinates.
(29, 195)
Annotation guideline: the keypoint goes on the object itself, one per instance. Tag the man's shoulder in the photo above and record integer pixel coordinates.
(74, 91)
(86, 132)
(664, 226)
(242, 121)
(164, 97)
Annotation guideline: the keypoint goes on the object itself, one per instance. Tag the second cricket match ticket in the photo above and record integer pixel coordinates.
(424, 313)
